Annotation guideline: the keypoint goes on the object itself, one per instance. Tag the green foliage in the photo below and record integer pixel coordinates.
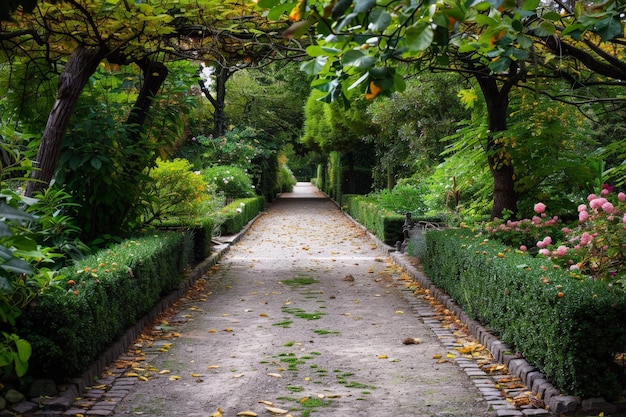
(175, 192)
(102, 296)
(236, 215)
(232, 181)
(384, 223)
(22, 274)
(103, 173)
(402, 199)
(412, 123)
(286, 180)
(236, 148)
(544, 312)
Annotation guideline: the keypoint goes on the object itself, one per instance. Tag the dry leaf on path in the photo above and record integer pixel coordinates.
(274, 375)
(247, 413)
(276, 410)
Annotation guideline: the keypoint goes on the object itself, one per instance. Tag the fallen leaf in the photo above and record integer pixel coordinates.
(263, 315)
(196, 375)
(174, 378)
(437, 356)
(218, 413)
(399, 312)
(164, 371)
(213, 366)
(266, 402)
(276, 410)
(411, 341)
(212, 331)
(131, 374)
(247, 413)
(237, 375)
(382, 356)
(229, 329)
(275, 375)
(143, 378)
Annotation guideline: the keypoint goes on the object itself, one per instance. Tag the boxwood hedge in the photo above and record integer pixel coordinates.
(568, 326)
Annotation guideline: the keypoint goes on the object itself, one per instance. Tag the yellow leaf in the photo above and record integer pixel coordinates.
(399, 312)
(131, 374)
(276, 410)
(237, 375)
(247, 413)
(274, 375)
(437, 356)
(174, 378)
(143, 378)
(213, 366)
(382, 356)
(266, 402)
(229, 329)
(450, 355)
(263, 315)
(196, 375)
(212, 331)
(218, 413)
(164, 372)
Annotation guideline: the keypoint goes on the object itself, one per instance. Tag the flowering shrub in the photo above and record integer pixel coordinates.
(232, 181)
(594, 246)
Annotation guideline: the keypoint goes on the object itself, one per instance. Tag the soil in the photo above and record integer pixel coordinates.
(306, 315)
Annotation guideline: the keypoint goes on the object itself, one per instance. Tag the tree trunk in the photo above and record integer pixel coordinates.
(218, 102)
(154, 74)
(500, 165)
(81, 64)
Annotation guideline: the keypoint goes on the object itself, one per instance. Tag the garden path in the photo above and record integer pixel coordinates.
(306, 315)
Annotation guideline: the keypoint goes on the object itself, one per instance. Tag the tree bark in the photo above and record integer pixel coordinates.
(218, 102)
(501, 167)
(154, 74)
(81, 64)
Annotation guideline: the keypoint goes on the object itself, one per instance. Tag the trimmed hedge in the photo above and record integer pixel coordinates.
(238, 213)
(567, 326)
(385, 224)
(70, 325)
(201, 234)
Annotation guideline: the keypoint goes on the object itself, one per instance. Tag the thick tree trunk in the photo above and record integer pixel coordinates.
(154, 74)
(81, 64)
(501, 167)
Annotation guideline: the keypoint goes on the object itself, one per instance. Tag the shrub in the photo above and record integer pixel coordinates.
(236, 215)
(102, 295)
(385, 224)
(232, 181)
(174, 192)
(286, 179)
(569, 326)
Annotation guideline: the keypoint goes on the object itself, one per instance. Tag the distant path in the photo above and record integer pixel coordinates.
(308, 314)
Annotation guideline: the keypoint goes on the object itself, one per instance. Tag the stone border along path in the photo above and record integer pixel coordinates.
(503, 378)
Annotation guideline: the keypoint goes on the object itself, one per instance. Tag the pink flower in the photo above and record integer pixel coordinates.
(541, 244)
(566, 230)
(573, 268)
(621, 197)
(582, 207)
(597, 203)
(582, 216)
(544, 252)
(523, 248)
(561, 250)
(547, 240)
(539, 208)
(591, 197)
(586, 238)
(624, 219)
(608, 207)
(604, 191)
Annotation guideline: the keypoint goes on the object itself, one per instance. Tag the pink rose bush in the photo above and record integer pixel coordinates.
(594, 246)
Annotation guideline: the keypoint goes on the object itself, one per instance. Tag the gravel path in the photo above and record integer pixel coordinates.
(304, 316)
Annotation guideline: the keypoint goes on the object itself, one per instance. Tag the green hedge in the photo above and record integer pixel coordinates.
(238, 213)
(385, 224)
(567, 326)
(69, 326)
(201, 230)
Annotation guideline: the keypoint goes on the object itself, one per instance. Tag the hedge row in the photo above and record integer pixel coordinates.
(567, 326)
(385, 224)
(71, 324)
(238, 213)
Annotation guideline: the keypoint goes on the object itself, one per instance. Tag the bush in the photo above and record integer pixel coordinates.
(570, 327)
(385, 224)
(232, 181)
(175, 191)
(236, 215)
(286, 179)
(73, 323)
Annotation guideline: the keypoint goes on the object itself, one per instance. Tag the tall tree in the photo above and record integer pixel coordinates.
(500, 43)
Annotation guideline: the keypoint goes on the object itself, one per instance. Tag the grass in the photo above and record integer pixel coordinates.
(299, 281)
(285, 324)
(300, 313)
(324, 332)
